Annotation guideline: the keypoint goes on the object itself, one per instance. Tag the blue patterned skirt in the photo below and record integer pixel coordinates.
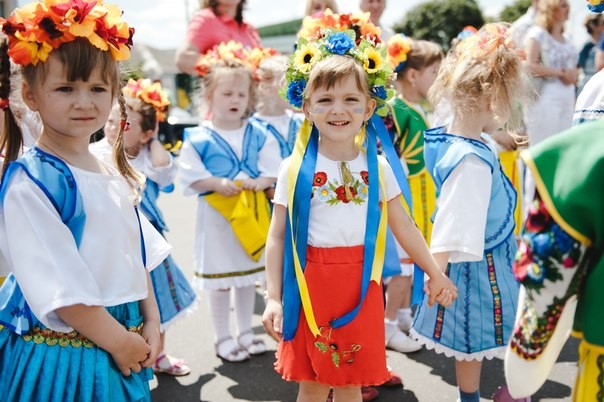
(480, 322)
(48, 366)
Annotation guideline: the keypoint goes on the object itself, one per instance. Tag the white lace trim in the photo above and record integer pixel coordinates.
(488, 354)
(163, 327)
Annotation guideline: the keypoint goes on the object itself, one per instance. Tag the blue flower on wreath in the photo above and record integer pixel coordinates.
(379, 91)
(595, 8)
(339, 43)
(563, 241)
(295, 92)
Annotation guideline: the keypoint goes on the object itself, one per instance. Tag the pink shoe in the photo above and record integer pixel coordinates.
(169, 365)
(503, 395)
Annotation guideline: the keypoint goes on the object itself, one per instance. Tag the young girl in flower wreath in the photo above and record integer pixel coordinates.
(473, 233)
(147, 105)
(416, 63)
(333, 201)
(79, 314)
(228, 162)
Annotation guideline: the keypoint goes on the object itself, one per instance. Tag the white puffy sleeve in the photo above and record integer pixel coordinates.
(460, 223)
(280, 196)
(162, 175)
(191, 168)
(43, 255)
(269, 158)
(157, 248)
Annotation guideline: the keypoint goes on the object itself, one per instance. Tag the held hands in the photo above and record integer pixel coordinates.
(129, 351)
(272, 319)
(257, 184)
(440, 289)
(152, 337)
(569, 76)
(226, 187)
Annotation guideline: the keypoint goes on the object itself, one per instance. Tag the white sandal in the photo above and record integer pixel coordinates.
(227, 349)
(254, 346)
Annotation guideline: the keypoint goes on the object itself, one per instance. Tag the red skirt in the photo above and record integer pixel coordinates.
(353, 354)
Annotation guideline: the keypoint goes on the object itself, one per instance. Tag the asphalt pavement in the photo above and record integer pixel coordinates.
(427, 376)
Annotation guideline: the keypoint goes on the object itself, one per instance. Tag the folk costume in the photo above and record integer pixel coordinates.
(561, 264)
(231, 231)
(330, 342)
(283, 128)
(476, 196)
(41, 357)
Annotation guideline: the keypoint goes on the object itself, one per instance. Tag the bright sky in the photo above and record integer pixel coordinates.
(162, 23)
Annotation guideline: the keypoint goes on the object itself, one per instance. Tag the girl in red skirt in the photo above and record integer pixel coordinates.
(325, 246)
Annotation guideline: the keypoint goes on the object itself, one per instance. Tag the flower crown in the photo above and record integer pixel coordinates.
(40, 27)
(487, 40)
(233, 51)
(150, 93)
(595, 6)
(333, 34)
(399, 47)
(466, 32)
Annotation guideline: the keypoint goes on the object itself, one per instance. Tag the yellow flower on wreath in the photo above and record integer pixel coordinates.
(306, 57)
(372, 61)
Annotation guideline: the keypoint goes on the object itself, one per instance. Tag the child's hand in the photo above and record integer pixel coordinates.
(152, 337)
(227, 187)
(440, 289)
(273, 319)
(129, 351)
(251, 184)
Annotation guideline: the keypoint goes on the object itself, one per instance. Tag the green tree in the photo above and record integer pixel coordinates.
(512, 12)
(440, 20)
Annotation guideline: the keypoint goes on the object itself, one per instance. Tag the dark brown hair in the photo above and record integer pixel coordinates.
(213, 4)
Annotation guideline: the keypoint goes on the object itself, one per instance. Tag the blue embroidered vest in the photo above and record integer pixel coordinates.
(443, 152)
(149, 204)
(219, 158)
(286, 146)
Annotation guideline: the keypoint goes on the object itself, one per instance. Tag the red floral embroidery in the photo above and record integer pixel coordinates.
(538, 217)
(523, 261)
(319, 179)
(365, 176)
(341, 194)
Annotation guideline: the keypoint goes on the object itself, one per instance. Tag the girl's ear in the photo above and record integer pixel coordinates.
(146, 136)
(306, 110)
(29, 98)
(411, 76)
(370, 108)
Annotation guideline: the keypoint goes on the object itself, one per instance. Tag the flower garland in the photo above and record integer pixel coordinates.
(232, 51)
(150, 93)
(399, 47)
(38, 28)
(346, 34)
(486, 41)
(595, 6)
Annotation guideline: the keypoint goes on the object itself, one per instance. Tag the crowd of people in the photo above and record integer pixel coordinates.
(372, 185)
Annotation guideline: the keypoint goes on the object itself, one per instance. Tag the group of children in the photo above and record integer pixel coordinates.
(87, 311)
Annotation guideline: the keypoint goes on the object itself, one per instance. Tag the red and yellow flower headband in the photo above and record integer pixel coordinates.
(358, 22)
(150, 93)
(485, 41)
(398, 47)
(38, 28)
(233, 51)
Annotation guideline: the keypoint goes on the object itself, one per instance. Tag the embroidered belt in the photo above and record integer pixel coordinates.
(229, 274)
(74, 339)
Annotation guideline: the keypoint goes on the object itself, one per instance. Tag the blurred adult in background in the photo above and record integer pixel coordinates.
(315, 8)
(552, 60)
(217, 21)
(594, 24)
(376, 8)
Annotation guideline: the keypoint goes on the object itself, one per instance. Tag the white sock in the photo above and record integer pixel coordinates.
(390, 326)
(244, 308)
(220, 304)
(404, 313)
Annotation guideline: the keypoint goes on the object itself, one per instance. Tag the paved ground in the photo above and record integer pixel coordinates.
(428, 377)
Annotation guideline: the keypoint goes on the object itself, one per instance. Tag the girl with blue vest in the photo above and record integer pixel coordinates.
(228, 162)
(473, 234)
(147, 105)
(333, 201)
(80, 318)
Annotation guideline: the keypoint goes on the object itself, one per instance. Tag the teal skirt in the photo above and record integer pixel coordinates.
(44, 365)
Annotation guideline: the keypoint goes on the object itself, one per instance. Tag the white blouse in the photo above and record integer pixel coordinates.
(106, 270)
(460, 223)
(333, 223)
